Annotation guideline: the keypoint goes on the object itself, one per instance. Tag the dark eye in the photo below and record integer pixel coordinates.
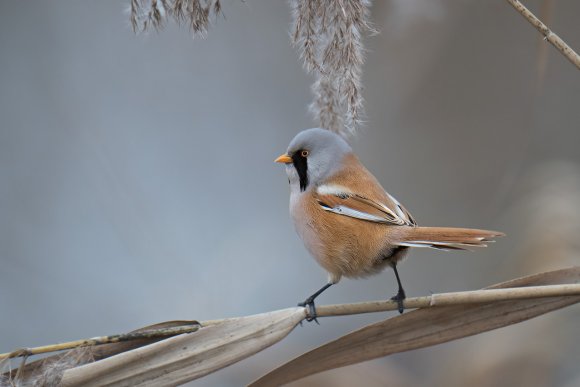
(304, 153)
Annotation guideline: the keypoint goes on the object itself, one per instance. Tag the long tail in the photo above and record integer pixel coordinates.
(446, 238)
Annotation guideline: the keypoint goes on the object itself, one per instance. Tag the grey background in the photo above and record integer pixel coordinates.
(137, 182)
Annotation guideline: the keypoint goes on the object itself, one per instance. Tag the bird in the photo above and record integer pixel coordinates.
(348, 222)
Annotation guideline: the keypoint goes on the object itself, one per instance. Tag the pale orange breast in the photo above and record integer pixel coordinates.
(341, 245)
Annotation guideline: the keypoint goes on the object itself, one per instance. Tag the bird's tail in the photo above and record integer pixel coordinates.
(446, 238)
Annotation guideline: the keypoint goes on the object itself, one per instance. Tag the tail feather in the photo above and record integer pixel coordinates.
(447, 238)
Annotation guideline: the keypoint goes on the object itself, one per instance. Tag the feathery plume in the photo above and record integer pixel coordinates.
(147, 14)
(328, 35)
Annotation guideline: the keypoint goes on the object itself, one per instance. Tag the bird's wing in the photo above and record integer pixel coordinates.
(339, 200)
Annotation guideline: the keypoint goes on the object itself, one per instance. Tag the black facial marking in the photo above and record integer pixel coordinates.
(301, 165)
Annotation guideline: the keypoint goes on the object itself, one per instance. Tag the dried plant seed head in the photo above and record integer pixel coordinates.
(155, 13)
(327, 34)
(328, 37)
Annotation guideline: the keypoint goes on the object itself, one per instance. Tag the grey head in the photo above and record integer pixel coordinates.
(313, 155)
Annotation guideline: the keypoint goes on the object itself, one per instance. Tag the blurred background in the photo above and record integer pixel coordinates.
(137, 181)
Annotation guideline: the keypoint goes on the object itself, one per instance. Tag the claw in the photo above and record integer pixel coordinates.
(400, 297)
(310, 302)
(311, 310)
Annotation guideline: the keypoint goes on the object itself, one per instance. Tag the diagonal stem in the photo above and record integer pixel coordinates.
(551, 37)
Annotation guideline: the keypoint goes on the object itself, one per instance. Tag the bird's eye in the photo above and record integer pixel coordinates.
(304, 153)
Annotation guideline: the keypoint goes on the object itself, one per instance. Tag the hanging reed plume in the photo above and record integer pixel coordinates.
(147, 14)
(328, 35)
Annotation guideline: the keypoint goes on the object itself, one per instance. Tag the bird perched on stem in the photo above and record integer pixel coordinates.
(348, 222)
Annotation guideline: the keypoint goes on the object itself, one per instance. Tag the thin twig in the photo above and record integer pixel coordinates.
(551, 37)
(160, 332)
(435, 300)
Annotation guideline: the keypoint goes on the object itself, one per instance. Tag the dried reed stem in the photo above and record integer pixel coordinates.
(161, 332)
(455, 298)
(435, 300)
(551, 37)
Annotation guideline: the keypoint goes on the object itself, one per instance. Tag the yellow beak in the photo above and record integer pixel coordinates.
(284, 159)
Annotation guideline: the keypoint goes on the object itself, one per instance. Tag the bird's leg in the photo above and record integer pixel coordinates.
(401, 293)
(310, 302)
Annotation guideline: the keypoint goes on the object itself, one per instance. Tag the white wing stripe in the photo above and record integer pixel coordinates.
(439, 245)
(330, 189)
(347, 211)
(398, 216)
(397, 206)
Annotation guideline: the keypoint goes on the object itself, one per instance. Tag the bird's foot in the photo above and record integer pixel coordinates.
(311, 316)
(399, 298)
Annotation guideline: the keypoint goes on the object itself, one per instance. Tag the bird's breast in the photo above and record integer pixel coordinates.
(306, 224)
(340, 244)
